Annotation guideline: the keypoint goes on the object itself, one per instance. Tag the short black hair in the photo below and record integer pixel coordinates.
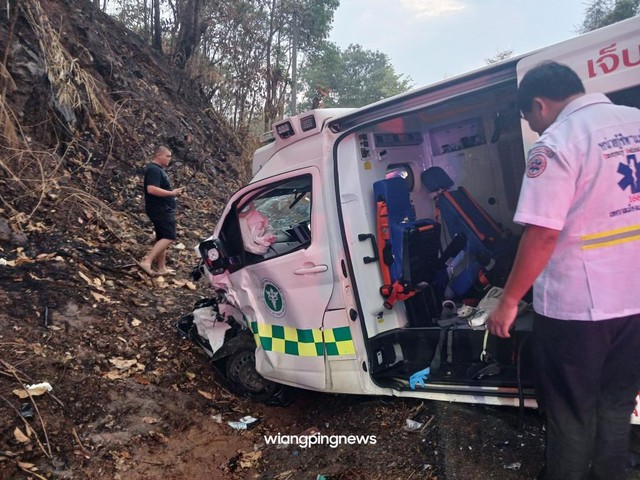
(159, 149)
(548, 80)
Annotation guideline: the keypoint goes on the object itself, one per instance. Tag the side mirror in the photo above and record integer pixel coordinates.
(213, 256)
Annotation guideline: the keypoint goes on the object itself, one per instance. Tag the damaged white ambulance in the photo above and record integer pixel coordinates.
(365, 253)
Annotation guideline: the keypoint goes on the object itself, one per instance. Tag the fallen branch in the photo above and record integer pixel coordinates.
(75, 435)
(35, 406)
(13, 372)
(26, 470)
(28, 427)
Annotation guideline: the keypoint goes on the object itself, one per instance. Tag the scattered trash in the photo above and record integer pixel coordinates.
(322, 477)
(244, 423)
(217, 418)
(26, 410)
(34, 390)
(412, 425)
(419, 378)
(513, 466)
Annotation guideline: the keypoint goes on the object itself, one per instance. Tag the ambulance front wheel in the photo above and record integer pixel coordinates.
(243, 379)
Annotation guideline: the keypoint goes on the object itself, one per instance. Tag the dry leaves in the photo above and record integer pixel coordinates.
(101, 298)
(94, 283)
(184, 284)
(250, 459)
(33, 390)
(21, 437)
(124, 368)
(207, 395)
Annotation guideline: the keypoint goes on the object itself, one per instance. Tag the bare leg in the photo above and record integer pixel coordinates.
(161, 260)
(159, 253)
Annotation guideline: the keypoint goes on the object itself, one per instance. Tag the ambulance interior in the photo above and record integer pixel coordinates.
(473, 142)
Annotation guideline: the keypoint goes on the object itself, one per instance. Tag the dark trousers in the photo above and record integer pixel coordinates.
(587, 378)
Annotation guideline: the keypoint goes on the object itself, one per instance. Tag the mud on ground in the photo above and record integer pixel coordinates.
(132, 400)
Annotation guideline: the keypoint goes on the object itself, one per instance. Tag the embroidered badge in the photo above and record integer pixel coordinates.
(273, 299)
(542, 150)
(536, 165)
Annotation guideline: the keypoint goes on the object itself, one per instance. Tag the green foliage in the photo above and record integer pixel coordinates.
(314, 19)
(243, 61)
(600, 13)
(350, 78)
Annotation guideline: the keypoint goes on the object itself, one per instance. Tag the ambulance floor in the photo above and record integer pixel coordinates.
(464, 374)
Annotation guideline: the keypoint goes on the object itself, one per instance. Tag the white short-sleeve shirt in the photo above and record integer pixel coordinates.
(583, 178)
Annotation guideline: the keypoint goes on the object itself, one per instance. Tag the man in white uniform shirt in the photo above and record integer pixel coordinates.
(581, 246)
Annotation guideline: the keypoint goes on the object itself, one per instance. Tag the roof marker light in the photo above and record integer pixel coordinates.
(285, 130)
(308, 123)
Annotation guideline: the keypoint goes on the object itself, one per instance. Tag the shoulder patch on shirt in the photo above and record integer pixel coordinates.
(537, 161)
(536, 165)
(542, 150)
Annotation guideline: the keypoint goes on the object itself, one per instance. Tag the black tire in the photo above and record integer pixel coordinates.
(243, 379)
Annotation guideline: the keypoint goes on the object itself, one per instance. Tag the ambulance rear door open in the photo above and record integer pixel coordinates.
(469, 127)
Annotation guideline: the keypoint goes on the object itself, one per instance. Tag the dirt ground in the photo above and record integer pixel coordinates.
(130, 399)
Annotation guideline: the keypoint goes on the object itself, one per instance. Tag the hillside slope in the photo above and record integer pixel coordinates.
(85, 103)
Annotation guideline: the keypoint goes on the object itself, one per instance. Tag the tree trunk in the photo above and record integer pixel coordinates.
(268, 104)
(190, 31)
(157, 27)
(294, 65)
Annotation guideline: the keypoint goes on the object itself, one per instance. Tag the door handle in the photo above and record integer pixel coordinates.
(314, 269)
(369, 236)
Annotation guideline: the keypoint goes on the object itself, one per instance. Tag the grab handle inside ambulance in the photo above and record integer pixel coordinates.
(369, 236)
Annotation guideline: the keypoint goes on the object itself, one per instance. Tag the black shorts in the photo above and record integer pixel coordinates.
(165, 228)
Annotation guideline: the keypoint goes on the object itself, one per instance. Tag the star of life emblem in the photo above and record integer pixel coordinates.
(630, 172)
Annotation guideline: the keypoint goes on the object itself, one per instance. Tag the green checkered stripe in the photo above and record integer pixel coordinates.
(303, 342)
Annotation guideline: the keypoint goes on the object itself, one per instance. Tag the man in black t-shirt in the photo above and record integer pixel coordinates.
(160, 205)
